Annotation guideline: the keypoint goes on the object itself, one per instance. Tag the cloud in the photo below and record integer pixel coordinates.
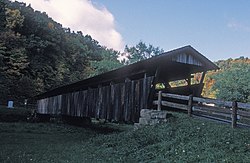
(236, 25)
(83, 15)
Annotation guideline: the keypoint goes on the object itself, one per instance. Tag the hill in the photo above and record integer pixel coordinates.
(231, 82)
(38, 54)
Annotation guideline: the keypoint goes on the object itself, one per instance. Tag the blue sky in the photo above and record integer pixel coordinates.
(219, 29)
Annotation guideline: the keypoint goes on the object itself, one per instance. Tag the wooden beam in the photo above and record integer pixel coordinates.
(172, 105)
(234, 114)
(159, 101)
(190, 105)
(152, 90)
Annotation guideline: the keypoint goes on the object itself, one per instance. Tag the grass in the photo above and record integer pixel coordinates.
(182, 139)
(13, 114)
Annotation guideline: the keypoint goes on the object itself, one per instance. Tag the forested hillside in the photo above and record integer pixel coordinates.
(231, 82)
(38, 54)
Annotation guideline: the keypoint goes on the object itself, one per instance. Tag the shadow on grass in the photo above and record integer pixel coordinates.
(98, 126)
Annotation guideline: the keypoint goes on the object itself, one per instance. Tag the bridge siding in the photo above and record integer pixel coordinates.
(118, 102)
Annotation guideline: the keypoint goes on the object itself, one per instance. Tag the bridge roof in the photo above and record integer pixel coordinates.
(172, 65)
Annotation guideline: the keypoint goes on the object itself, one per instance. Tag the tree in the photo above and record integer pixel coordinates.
(233, 83)
(14, 18)
(108, 62)
(141, 51)
(2, 15)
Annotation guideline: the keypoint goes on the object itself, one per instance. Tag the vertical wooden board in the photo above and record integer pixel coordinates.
(92, 103)
(126, 99)
(148, 88)
(59, 104)
(117, 99)
(54, 105)
(122, 99)
(74, 101)
(91, 99)
(112, 102)
(96, 103)
(64, 104)
(84, 105)
(49, 106)
(107, 102)
(137, 100)
(87, 114)
(132, 101)
(71, 109)
(116, 87)
(141, 95)
(73, 106)
(144, 90)
(44, 105)
(101, 115)
(68, 103)
(79, 103)
(102, 104)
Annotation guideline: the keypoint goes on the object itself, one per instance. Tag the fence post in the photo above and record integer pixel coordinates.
(234, 114)
(190, 105)
(159, 101)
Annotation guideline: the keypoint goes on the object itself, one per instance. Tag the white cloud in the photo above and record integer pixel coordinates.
(238, 26)
(82, 15)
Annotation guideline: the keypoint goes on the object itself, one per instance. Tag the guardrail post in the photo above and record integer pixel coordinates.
(159, 101)
(234, 114)
(190, 105)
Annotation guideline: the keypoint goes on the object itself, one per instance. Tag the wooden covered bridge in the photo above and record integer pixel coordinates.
(119, 95)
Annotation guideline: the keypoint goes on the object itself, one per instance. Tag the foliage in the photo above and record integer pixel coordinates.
(13, 18)
(212, 77)
(208, 84)
(109, 61)
(182, 139)
(233, 83)
(37, 54)
(141, 51)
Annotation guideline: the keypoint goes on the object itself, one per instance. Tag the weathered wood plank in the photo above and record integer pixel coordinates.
(213, 101)
(190, 105)
(132, 101)
(179, 97)
(234, 114)
(172, 104)
(243, 113)
(112, 104)
(212, 109)
(159, 101)
(243, 105)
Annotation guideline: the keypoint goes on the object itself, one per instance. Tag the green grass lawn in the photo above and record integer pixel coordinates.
(182, 139)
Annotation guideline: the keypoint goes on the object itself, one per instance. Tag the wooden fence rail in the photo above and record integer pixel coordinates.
(218, 109)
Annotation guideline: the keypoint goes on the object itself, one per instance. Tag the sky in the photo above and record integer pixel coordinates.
(219, 29)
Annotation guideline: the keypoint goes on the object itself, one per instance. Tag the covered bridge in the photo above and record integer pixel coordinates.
(119, 95)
